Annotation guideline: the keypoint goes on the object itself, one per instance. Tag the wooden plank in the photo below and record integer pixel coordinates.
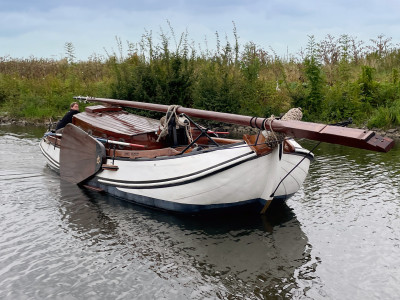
(351, 137)
(110, 167)
(101, 109)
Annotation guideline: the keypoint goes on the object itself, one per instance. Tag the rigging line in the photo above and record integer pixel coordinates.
(273, 193)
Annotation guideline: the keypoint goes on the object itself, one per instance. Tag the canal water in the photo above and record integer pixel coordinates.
(337, 238)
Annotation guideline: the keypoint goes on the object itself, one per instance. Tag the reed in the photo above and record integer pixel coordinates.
(333, 79)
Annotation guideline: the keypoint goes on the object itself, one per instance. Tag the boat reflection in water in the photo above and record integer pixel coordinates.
(217, 255)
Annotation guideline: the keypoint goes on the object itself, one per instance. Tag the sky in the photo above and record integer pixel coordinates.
(41, 28)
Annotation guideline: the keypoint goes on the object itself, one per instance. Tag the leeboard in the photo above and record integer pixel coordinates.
(81, 156)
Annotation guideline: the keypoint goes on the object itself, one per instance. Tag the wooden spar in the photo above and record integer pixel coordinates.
(352, 137)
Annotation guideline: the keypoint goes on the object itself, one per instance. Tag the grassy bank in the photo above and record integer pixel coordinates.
(332, 79)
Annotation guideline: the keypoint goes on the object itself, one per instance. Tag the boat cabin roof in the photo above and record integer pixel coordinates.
(114, 119)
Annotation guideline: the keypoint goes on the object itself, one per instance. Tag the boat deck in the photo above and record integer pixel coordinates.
(114, 121)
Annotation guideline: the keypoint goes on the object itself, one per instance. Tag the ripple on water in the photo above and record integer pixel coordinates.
(349, 212)
(338, 238)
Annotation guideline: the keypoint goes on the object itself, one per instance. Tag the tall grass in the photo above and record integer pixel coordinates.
(332, 80)
(42, 88)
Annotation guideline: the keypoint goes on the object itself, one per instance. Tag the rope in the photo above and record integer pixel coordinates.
(166, 119)
(188, 132)
(293, 114)
(273, 139)
(179, 121)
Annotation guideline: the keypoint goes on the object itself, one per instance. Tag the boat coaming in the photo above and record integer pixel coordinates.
(227, 176)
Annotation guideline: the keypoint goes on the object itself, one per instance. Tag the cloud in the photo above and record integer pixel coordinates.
(42, 27)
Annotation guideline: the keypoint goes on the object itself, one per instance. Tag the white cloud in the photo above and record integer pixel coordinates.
(41, 28)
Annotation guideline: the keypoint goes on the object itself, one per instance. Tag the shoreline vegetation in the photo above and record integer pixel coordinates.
(332, 80)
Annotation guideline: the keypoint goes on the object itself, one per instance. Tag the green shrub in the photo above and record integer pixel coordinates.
(386, 116)
(381, 118)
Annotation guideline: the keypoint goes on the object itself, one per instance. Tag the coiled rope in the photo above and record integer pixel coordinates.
(272, 138)
(180, 121)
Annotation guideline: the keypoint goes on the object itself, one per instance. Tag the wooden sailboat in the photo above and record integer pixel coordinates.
(189, 169)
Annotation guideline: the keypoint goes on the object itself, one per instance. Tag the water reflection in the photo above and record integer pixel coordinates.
(247, 255)
(22, 131)
(61, 242)
(350, 212)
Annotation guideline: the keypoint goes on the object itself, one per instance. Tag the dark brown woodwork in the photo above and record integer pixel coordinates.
(110, 167)
(54, 140)
(101, 109)
(288, 147)
(325, 133)
(142, 153)
(119, 125)
(260, 148)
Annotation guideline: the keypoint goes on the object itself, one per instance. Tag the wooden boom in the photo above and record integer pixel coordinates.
(352, 137)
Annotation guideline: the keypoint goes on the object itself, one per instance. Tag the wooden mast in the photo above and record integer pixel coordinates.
(352, 137)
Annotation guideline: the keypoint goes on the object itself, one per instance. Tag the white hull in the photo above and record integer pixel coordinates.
(199, 181)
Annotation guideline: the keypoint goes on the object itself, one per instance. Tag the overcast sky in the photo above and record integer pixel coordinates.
(40, 28)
